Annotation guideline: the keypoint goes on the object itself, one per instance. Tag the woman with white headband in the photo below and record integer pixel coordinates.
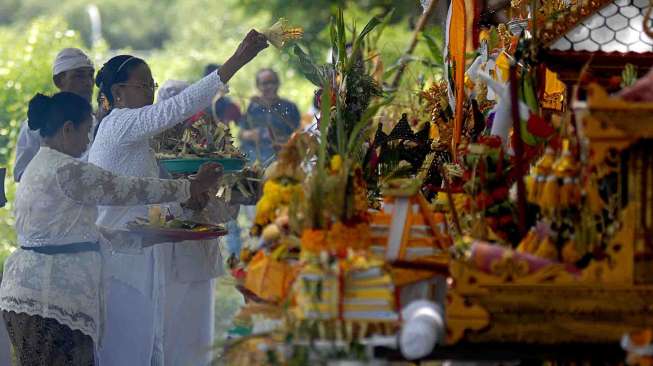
(134, 312)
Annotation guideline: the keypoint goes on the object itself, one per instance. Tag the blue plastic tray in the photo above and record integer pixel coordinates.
(191, 166)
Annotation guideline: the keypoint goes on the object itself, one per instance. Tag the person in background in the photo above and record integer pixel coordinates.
(225, 110)
(51, 295)
(135, 298)
(189, 295)
(270, 120)
(268, 124)
(72, 71)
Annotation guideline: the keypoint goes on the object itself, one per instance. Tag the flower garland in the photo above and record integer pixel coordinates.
(337, 240)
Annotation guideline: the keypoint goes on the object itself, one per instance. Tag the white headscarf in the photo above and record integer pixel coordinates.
(171, 88)
(70, 59)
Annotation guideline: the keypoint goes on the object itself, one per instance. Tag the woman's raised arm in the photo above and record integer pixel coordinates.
(137, 124)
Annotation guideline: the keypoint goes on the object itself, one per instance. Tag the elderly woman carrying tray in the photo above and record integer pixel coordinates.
(52, 290)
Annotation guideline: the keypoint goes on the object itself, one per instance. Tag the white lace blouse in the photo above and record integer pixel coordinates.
(56, 204)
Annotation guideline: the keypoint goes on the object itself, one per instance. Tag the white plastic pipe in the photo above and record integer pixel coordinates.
(423, 327)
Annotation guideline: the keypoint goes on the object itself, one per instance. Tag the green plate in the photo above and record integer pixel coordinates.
(191, 166)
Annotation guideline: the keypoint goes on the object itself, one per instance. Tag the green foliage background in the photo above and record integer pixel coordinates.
(26, 54)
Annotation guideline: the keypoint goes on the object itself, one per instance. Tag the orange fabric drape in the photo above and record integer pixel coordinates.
(457, 47)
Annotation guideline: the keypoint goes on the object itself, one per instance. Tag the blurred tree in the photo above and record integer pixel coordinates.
(125, 23)
(315, 13)
(7, 10)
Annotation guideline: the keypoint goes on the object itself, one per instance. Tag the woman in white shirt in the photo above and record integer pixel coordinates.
(134, 334)
(51, 293)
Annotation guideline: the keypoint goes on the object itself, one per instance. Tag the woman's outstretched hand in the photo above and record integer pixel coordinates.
(206, 178)
(253, 43)
(251, 46)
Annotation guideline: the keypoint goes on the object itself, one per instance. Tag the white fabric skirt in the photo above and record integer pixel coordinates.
(129, 328)
(188, 323)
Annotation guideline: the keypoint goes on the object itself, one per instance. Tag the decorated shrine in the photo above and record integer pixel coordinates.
(513, 212)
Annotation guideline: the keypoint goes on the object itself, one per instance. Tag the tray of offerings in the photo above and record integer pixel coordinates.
(182, 150)
(176, 230)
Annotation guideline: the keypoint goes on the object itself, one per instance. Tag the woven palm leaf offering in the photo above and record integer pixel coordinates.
(281, 32)
(184, 148)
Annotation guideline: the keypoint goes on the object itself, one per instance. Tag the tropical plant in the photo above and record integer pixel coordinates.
(346, 114)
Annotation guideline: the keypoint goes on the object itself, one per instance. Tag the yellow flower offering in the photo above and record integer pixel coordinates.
(336, 163)
(275, 196)
(280, 33)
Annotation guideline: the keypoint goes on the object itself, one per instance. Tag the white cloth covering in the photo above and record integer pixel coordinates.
(188, 297)
(122, 145)
(188, 312)
(128, 343)
(56, 204)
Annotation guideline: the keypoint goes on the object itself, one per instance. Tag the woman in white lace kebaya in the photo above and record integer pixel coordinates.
(51, 293)
(135, 290)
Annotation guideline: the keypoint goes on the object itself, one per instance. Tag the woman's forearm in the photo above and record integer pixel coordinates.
(229, 69)
(253, 43)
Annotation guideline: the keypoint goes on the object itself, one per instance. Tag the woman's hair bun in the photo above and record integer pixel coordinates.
(48, 114)
(39, 111)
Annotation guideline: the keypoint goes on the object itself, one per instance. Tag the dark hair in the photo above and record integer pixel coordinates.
(210, 68)
(48, 114)
(267, 69)
(114, 71)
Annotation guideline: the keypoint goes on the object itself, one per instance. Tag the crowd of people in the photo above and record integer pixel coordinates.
(82, 290)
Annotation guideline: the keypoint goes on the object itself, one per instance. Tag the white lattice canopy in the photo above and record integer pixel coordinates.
(617, 27)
